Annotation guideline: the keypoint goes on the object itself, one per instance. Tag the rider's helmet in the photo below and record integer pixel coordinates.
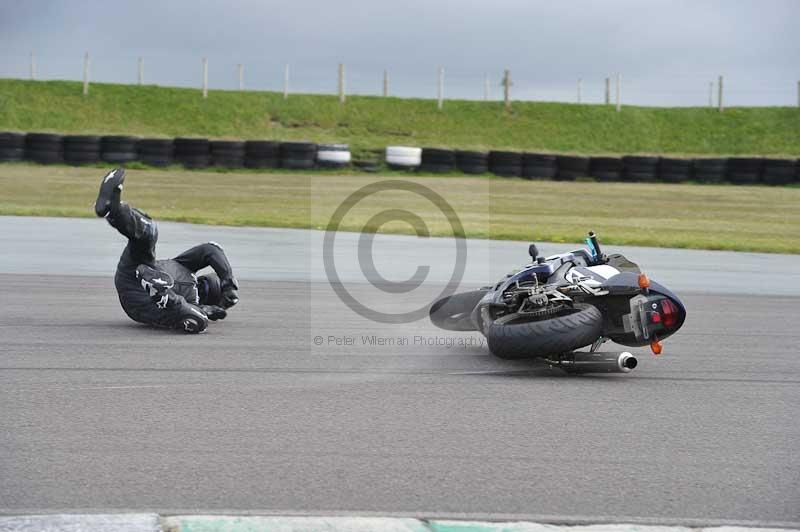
(209, 289)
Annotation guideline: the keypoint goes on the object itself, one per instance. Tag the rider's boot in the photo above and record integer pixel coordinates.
(110, 192)
(214, 312)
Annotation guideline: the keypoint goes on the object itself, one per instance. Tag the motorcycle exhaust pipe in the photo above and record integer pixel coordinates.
(582, 362)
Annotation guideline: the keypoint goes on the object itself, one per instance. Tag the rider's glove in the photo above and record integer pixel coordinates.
(214, 312)
(230, 293)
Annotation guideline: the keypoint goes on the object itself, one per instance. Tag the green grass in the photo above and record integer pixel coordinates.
(368, 122)
(685, 216)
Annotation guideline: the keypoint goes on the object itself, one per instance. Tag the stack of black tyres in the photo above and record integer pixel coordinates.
(228, 153)
(779, 171)
(472, 162)
(261, 154)
(744, 170)
(48, 148)
(155, 152)
(505, 163)
(12, 147)
(710, 170)
(639, 168)
(118, 149)
(674, 170)
(81, 149)
(44, 148)
(192, 153)
(606, 168)
(438, 160)
(298, 155)
(571, 167)
(539, 166)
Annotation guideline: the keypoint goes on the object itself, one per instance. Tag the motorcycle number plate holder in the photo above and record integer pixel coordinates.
(636, 321)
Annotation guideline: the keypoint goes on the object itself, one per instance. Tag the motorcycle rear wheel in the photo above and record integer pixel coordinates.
(561, 333)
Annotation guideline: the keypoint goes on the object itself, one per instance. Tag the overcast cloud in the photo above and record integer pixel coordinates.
(667, 51)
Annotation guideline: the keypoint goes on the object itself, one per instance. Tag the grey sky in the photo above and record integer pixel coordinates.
(667, 51)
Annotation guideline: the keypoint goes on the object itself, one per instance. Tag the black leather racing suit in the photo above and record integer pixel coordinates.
(142, 234)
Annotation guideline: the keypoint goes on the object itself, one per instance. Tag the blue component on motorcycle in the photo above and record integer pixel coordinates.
(591, 248)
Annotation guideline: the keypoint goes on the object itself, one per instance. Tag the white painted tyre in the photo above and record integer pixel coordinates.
(333, 147)
(398, 160)
(342, 157)
(403, 151)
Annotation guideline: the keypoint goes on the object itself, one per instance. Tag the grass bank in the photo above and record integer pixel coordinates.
(684, 216)
(368, 122)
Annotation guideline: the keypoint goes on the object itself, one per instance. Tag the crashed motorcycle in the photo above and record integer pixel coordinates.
(558, 304)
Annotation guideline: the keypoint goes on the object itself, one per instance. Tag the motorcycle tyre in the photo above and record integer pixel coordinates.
(452, 313)
(554, 336)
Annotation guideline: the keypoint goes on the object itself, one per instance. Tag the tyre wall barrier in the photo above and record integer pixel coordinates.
(50, 148)
(539, 166)
(227, 153)
(262, 154)
(505, 163)
(333, 155)
(639, 168)
(403, 157)
(472, 162)
(571, 167)
(438, 160)
(12, 147)
(606, 168)
(156, 152)
(81, 149)
(44, 148)
(192, 153)
(674, 170)
(117, 149)
(298, 155)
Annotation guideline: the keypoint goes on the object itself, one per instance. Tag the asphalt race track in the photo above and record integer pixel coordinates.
(98, 413)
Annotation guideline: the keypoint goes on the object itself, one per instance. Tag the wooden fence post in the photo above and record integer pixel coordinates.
(140, 76)
(440, 92)
(86, 74)
(579, 89)
(341, 83)
(507, 90)
(385, 83)
(619, 92)
(286, 81)
(711, 94)
(205, 77)
(608, 91)
(719, 94)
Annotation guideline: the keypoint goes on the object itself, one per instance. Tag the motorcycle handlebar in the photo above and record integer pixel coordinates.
(595, 245)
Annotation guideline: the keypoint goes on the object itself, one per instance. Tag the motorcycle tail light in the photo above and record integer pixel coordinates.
(656, 346)
(669, 314)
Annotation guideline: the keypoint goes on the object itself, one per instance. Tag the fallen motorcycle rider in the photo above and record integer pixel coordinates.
(164, 293)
